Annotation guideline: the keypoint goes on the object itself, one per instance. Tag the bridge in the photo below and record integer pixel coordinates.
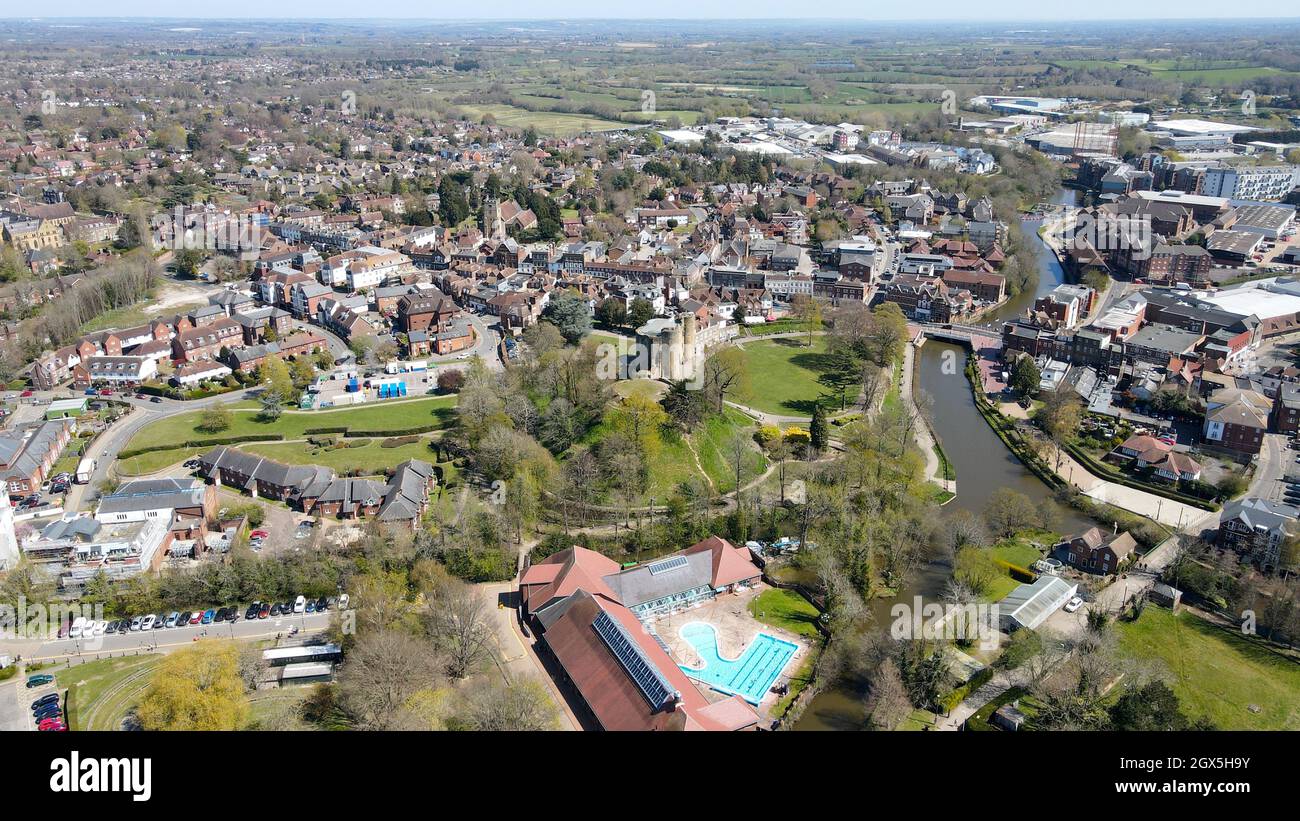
(961, 334)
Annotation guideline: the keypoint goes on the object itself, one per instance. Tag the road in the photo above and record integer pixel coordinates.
(171, 638)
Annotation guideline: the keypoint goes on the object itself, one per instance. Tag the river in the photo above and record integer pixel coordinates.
(982, 463)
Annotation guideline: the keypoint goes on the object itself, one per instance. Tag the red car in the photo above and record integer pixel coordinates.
(25, 394)
(106, 392)
(52, 725)
(197, 617)
(258, 534)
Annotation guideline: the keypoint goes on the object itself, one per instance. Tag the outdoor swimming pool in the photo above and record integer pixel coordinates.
(749, 676)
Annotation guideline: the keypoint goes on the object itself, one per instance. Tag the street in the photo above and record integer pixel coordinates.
(164, 638)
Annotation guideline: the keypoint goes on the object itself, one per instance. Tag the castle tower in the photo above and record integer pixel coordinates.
(690, 349)
(675, 359)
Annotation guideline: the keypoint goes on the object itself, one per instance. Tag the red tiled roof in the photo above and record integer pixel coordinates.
(731, 564)
(578, 567)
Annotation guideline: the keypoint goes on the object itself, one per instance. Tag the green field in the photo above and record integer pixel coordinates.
(787, 610)
(783, 375)
(711, 441)
(102, 693)
(369, 458)
(546, 122)
(388, 415)
(1217, 673)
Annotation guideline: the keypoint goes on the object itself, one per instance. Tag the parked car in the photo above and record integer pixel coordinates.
(48, 698)
(264, 611)
(275, 609)
(172, 619)
(156, 399)
(159, 621)
(252, 611)
(184, 619)
(1073, 604)
(146, 623)
(311, 606)
(39, 680)
(322, 604)
(207, 616)
(136, 622)
(300, 604)
(196, 617)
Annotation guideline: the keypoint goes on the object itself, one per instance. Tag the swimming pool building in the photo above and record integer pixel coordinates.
(589, 616)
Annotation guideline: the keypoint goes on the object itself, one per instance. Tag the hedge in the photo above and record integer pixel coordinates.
(1020, 574)
(950, 701)
(336, 429)
(398, 441)
(384, 434)
(1096, 468)
(202, 443)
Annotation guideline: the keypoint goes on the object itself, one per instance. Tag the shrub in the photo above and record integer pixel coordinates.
(398, 441)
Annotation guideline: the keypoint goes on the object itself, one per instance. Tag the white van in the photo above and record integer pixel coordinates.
(300, 604)
(78, 627)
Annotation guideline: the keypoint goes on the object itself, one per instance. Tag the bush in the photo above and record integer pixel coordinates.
(398, 441)
(355, 443)
(450, 380)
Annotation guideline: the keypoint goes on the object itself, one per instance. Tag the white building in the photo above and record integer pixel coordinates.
(1261, 182)
(8, 538)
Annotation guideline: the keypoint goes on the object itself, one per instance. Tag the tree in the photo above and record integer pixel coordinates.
(808, 311)
(887, 703)
(640, 312)
(568, 312)
(819, 431)
(274, 373)
(272, 405)
(726, 372)
(216, 419)
(456, 622)
(383, 671)
(1025, 376)
(1060, 417)
(1009, 511)
(612, 312)
(522, 705)
(888, 333)
(196, 688)
(1153, 706)
(450, 380)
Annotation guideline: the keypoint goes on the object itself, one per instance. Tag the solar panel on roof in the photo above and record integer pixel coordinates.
(667, 564)
(647, 677)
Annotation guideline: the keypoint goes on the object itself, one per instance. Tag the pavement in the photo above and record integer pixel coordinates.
(515, 657)
(15, 704)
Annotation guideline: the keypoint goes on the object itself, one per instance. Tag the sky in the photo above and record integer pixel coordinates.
(933, 10)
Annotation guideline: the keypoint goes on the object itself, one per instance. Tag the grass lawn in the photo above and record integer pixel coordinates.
(1217, 673)
(547, 122)
(787, 610)
(101, 693)
(385, 415)
(783, 376)
(265, 703)
(711, 441)
(370, 458)
(1019, 549)
(155, 461)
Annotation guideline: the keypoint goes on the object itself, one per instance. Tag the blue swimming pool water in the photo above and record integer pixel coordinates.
(749, 676)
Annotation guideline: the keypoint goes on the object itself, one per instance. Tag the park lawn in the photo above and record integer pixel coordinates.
(154, 461)
(371, 459)
(711, 440)
(1217, 673)
(101, 693)
(783, 376)
(384, 415)
(546, 122)
(787, 610)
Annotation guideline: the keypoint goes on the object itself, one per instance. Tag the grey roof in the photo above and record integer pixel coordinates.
(639, 585)
(82, 528)
(407, 491)
(24, 458)
(152, 494)
(301, 480)
(1261, 513)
